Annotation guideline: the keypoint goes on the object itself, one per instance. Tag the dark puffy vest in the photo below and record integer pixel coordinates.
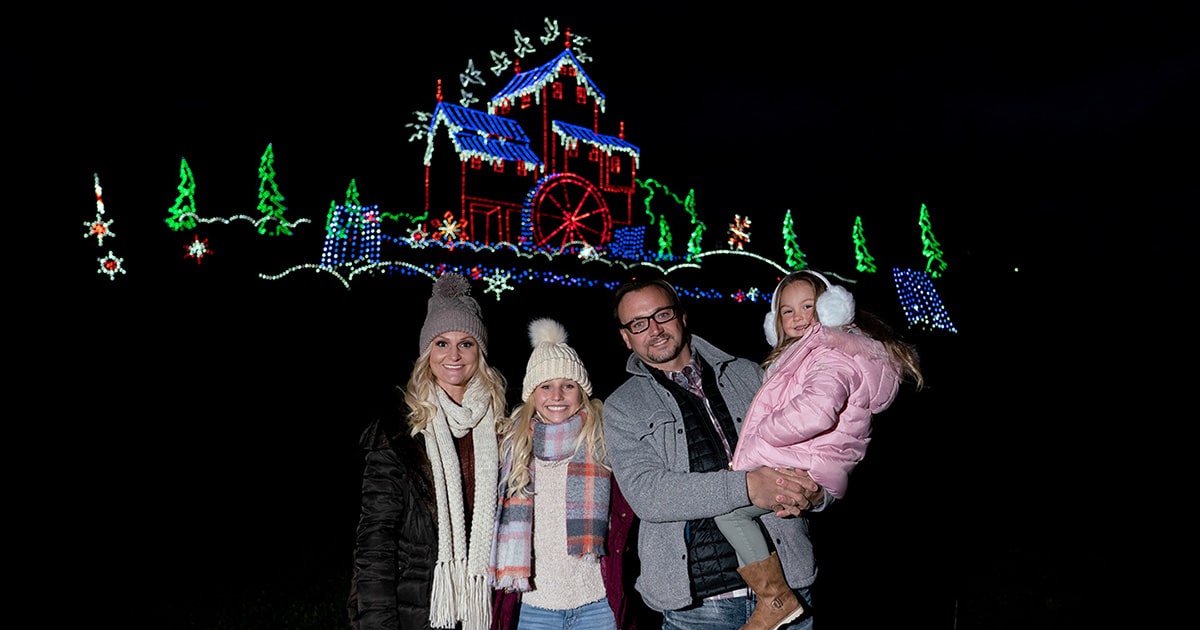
(712, 562)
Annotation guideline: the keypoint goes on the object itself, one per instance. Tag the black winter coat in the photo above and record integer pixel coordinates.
(396, 546)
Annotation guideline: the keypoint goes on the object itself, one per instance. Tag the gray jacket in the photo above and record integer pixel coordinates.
(643, 428)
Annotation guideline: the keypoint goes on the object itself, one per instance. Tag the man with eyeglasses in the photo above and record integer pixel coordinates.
(671, 429)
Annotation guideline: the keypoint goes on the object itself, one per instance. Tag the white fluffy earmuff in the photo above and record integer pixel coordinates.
(835, 307)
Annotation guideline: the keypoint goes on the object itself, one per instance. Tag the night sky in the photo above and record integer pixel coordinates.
(1013, 125)
(207, 446)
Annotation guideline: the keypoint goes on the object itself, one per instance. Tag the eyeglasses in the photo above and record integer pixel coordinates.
(639, 325)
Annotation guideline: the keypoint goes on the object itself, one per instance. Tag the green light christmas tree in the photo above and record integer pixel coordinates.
(351, 202)
(664, 238)
(183, 213)
(795, 257)
(930, 247)
(270, 202)
(698, 227)
(863, 259)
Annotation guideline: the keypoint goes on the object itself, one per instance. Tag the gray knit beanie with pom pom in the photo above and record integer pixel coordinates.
(452, 308)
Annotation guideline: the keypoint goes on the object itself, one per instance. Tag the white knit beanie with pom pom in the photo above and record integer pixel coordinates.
(552, 358)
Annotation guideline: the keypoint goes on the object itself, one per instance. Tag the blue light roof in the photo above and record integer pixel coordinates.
(461, 118)
(569, 134)
(479, 134)
(531, 81)
(470, 145)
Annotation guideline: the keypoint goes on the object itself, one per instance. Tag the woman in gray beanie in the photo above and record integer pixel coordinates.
(557, 560)
(429, 481)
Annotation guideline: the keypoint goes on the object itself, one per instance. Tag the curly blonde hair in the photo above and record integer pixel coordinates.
(421, 398)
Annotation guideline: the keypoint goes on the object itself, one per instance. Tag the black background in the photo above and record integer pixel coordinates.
(192, 427)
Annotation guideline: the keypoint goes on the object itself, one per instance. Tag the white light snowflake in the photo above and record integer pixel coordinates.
(99, 229)
(450, 228)
(111, 265)
(498, 283)
(197, 249)
(739, 232)
(419, 238)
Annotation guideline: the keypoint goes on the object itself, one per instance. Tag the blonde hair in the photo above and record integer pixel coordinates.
(516, 438)
(421, 397)
(902, 353)
(782, 341)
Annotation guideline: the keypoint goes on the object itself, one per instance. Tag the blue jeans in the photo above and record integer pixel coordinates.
(729, 614)
(593, 616)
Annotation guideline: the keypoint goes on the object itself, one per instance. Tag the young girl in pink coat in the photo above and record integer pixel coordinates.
(827, 375)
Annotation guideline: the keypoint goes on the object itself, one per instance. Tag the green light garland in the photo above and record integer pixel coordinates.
(689, 206)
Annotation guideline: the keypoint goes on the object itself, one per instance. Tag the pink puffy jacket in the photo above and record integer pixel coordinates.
(815, 406)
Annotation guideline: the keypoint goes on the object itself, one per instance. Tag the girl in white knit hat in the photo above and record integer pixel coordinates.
(554, 547)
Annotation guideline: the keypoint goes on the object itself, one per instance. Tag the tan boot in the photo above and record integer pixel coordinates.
(777, 603)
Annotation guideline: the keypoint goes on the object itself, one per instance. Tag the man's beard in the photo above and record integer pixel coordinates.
(665, 354)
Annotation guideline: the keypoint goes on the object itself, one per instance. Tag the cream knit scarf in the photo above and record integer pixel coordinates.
(460, 589)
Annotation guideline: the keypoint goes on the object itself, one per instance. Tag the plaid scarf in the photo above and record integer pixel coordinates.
(588, 488)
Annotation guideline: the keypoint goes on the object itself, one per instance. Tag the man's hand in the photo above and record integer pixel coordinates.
(785, 491)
